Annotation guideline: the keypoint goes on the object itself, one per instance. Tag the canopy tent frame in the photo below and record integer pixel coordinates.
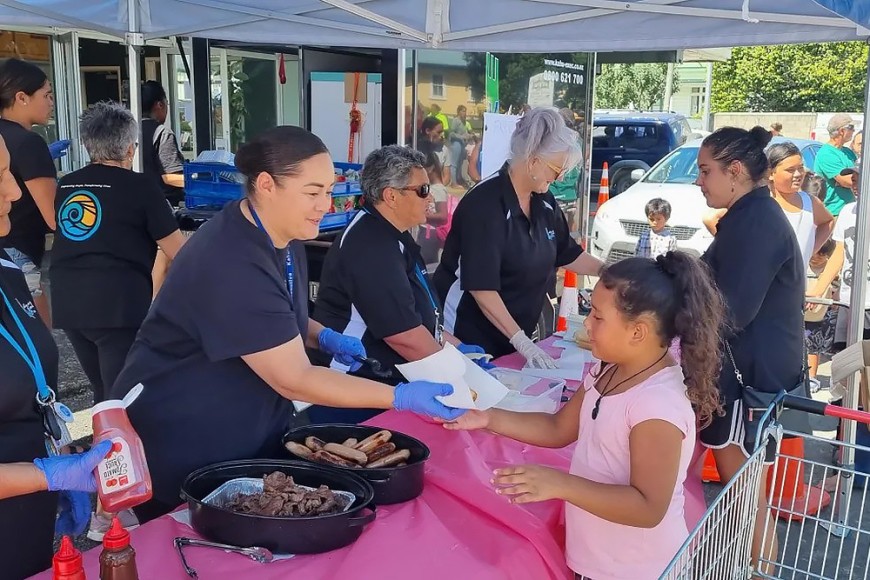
(840, 20)
(250, 15)
(612, 7)
(62, 19)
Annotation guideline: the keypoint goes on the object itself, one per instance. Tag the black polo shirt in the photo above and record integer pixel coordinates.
(225, 296)
(757, 264)
(27, 519)
(371, 288)
(30, 159)
(492, 245)
(108, 222)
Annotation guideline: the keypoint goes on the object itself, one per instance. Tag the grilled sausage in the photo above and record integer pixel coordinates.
(381, 451)
(327, 457)
(346, 452)
(350, 442)
(391, 459)
(369, 443)
(313, 443)
(299, 450)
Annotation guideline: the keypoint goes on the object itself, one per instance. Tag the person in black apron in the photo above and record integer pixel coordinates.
(31, 421)
(221, 353)
(374, 284)
(507, 238)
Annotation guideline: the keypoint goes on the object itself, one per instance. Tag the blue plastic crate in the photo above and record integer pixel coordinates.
(349, 187)
(337, 221)
(211, 185)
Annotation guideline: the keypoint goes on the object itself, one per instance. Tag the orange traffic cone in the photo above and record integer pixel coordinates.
(710, 473)
(791, 497)
(604, 188)
(569, 304)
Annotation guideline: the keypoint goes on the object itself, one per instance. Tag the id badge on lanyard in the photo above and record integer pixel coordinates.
(55, 415)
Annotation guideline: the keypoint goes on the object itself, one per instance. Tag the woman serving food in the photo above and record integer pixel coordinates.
(222, 351)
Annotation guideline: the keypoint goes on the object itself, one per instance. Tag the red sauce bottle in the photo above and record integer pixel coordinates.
(67, 563)
(118, 558)
(123, 480)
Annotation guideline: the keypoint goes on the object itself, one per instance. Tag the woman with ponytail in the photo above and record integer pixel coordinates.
(757, 264)
(634, 419)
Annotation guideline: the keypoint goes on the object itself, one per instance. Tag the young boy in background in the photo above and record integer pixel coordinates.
(657, 240)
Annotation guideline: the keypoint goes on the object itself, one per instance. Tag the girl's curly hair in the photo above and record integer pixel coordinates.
(679, 291)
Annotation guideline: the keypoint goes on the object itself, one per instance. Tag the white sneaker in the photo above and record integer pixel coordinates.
(102, 521)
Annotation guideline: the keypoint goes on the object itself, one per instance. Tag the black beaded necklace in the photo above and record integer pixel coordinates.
(608, 389)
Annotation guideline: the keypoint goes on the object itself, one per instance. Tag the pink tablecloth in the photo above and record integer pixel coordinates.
(458, 526)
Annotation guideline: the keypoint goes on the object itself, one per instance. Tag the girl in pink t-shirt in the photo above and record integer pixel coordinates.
(633, 419)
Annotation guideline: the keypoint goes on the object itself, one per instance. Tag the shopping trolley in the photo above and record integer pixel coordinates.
(720, 546)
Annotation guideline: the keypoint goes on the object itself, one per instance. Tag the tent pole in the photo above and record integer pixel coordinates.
(135, 41)
(400, 97)
(855, 331)
(708, 90)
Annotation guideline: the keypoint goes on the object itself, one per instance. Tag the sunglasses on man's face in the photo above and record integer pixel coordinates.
(422, 191)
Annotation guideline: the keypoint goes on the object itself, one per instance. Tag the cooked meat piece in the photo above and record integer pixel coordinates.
(282, 497)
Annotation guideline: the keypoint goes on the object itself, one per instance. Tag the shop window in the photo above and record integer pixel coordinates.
(696, 106)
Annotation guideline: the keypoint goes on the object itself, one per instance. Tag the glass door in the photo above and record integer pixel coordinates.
(244, 95)
(67, 98)
(179, 90)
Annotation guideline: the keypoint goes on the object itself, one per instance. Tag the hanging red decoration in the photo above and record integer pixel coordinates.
(282, 74)
(356, 119)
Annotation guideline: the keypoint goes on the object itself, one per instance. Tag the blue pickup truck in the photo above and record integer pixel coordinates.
(629, 140)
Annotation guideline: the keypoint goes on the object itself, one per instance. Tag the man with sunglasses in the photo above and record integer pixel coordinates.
(374, 285)
(832, 159)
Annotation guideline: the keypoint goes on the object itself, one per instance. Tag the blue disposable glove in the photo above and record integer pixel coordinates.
(59, 148)
(73, 472)
(419, 397)
(74, 513)
(468, 349)
(343, 348)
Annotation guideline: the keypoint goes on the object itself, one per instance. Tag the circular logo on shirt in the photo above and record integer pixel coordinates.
(79, 216)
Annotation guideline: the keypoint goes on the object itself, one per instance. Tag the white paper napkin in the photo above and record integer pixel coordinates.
(571, 365)
(451, 366)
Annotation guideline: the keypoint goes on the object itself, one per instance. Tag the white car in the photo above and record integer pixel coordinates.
(619, 222)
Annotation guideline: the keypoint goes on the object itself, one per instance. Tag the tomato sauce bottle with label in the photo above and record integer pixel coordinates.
(123, 480)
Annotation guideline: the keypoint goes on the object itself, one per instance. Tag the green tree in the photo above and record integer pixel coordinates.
(793, 78)
(515, 70)
(640, 85)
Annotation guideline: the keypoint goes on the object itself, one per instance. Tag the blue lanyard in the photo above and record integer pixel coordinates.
(439, 329)
(422, 278)
(288, 264)
(31, 357)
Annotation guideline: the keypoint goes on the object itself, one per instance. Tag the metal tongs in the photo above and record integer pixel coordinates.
(375, 366)
(255, 553)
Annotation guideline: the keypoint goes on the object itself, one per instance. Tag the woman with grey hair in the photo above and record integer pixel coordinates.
(110, 221)
(507, 238)
(374, 284)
